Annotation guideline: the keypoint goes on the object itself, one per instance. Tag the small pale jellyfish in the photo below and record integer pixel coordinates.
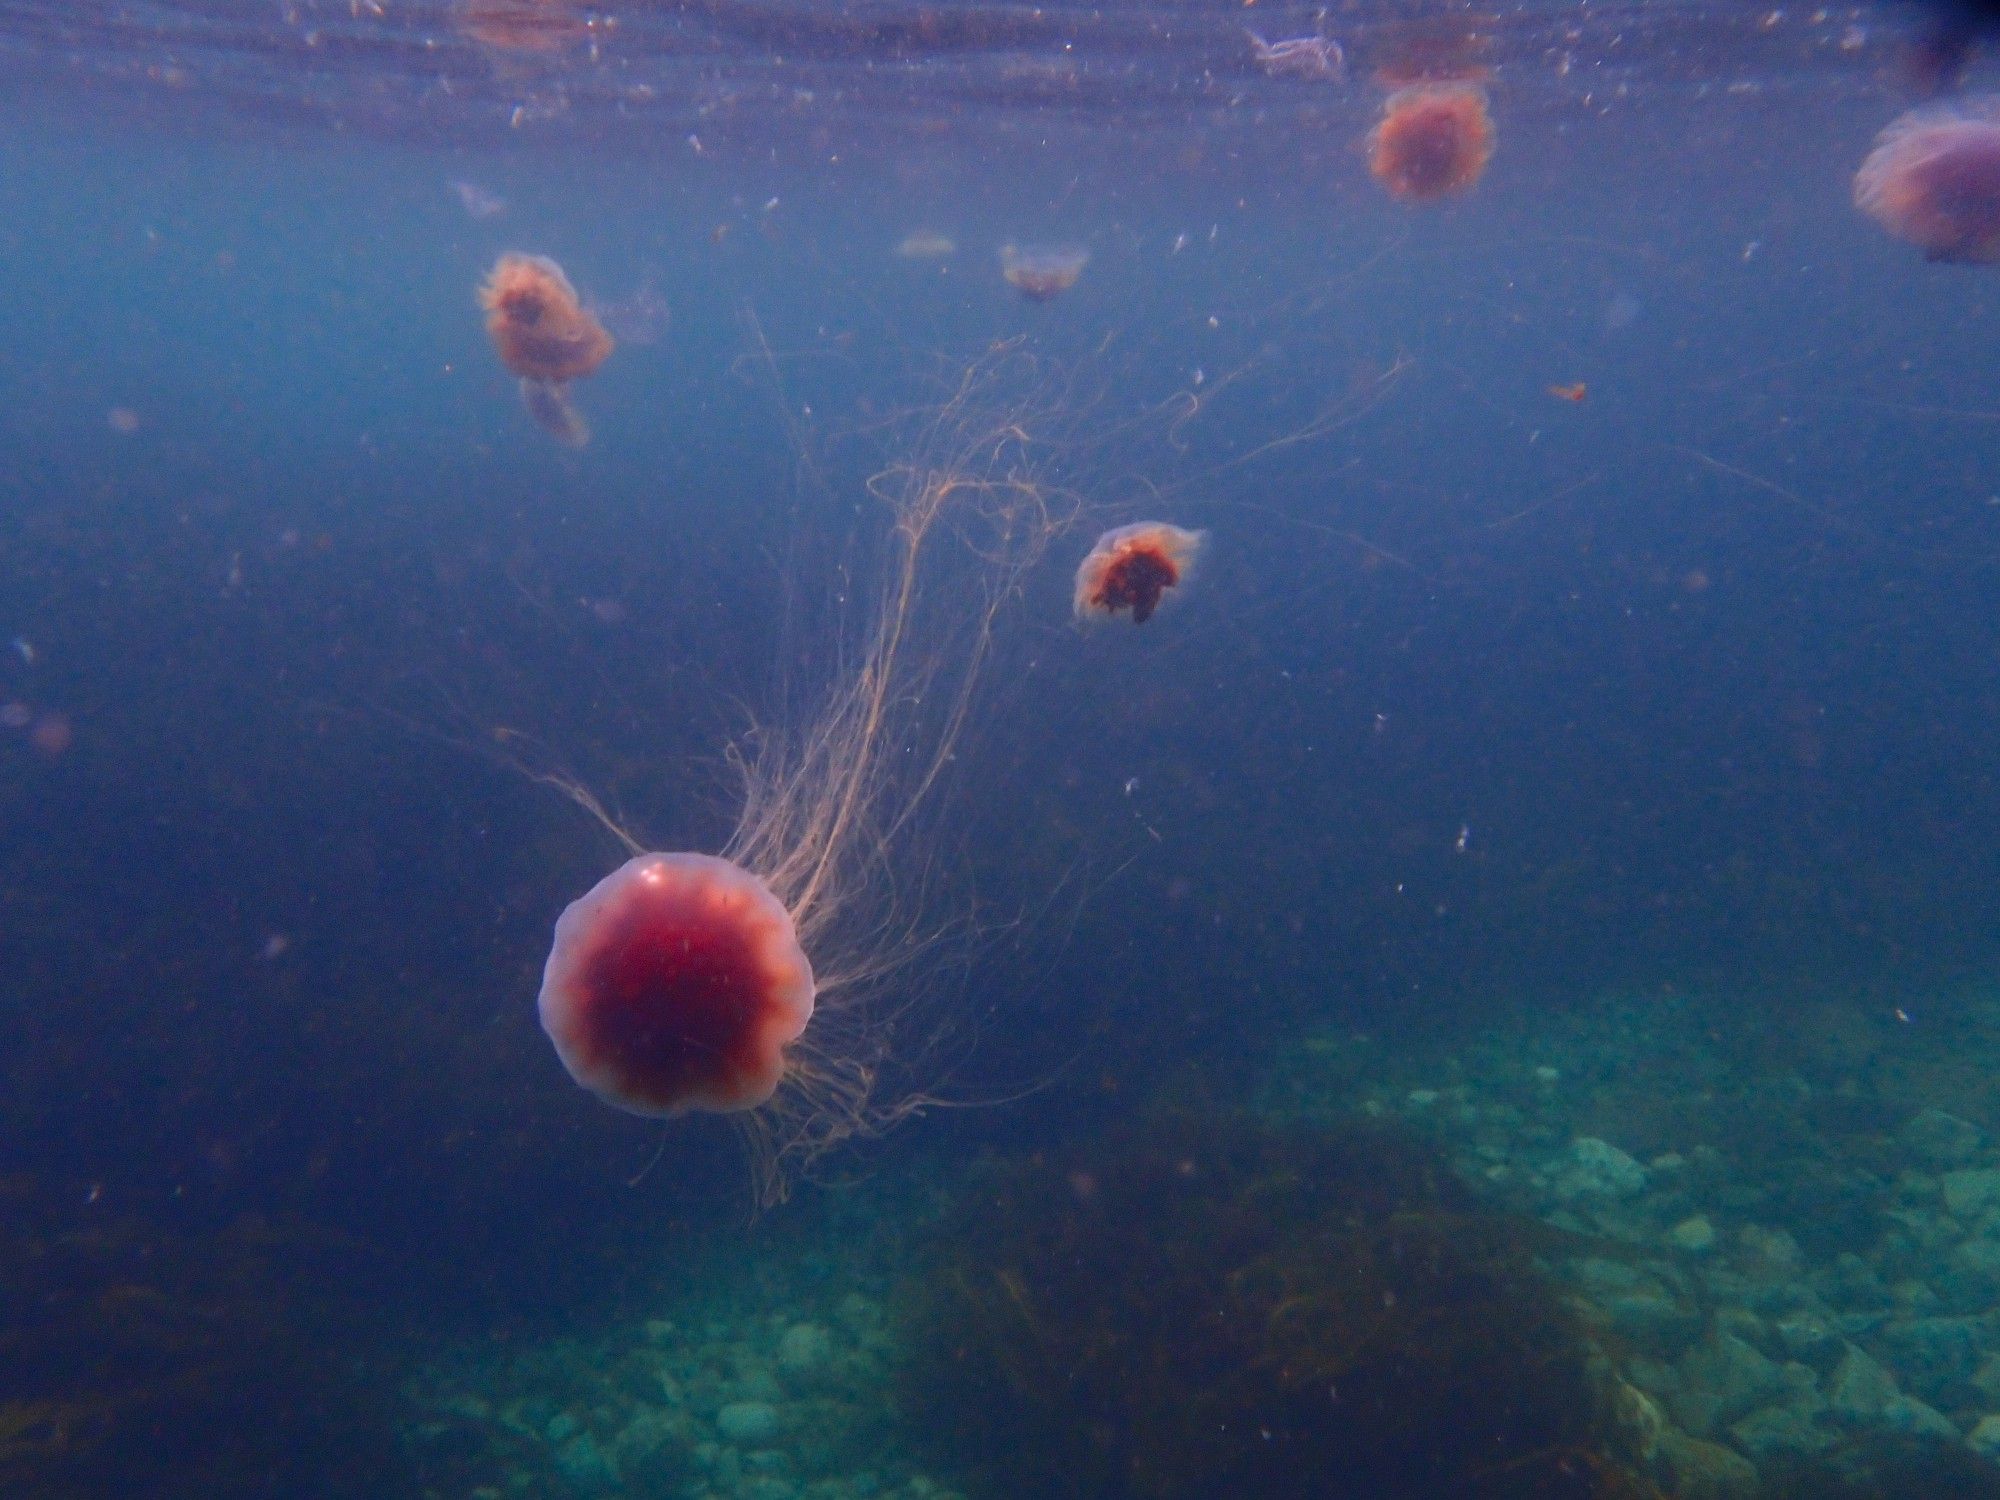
(1042, 272)
(1933, 179)
(1433, 139)
(545, 335)
(926, 244)
(1134, 568)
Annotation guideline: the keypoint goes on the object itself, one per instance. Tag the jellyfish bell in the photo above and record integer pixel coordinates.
(1135, 568)
(1433, 139)
(538, 324)
(521, 26)
(1933, 179)
(676, 983)
(544, 334)
(1041, 272)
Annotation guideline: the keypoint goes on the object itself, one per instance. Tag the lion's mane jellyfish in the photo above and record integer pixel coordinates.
(1133, 568)
(521, 26)
(676, 982)
(771, 982)
(1934, 179)
(544, 334)
(1042, 272)
(1433, 139)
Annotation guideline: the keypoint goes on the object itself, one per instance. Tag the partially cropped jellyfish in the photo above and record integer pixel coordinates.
(1433, 139)
(1934, 179)
(521, 26)
(1041, 272)
(1133, 568)
(545, 335)
(765, 982)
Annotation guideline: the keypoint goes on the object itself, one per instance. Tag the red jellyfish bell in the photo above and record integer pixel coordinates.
(1132, 568)
(1432, 139)
(1934, 179)
(676, 983)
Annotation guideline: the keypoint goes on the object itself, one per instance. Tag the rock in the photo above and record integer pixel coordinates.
(586, 1465)
(1638, 1306)
(1937, 1357)
(1790, 1428)
(1940, 1139)
(1913, 1418)
(1722, 1378)
(1972, 1274)
(1967, 1193)
(1859, 1388)
(1596, 1167)
(561, 1427)
(1987, 1379)
(1695, 1235)
(1809, 1337)
(747, 1422)
(1984, 1439)
(804, 1348)
(1768, 1250)
(1706, 1471)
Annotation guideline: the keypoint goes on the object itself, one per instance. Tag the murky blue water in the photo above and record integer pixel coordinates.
(1571, 758)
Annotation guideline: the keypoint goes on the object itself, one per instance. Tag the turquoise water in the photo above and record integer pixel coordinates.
(1488, 993)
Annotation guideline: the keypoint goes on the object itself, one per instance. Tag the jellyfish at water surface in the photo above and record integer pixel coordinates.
(544, 334)
(1433, 139)
(1933, 179)
(1133, 568)
(521, 26)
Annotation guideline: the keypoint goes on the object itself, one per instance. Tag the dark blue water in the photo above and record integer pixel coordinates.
(1489, 714)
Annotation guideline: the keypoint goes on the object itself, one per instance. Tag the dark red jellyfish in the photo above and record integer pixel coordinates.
(675, 984)
(1040, 272)
(1133, 568)
(544, 334)
(1433, 139)
(1934, 179)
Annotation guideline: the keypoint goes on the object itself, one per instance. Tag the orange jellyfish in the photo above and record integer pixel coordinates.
(769, 982)
(1432, 139)
(1040, 272)
(1934, 179)
(1133, 567)
(545, 335)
